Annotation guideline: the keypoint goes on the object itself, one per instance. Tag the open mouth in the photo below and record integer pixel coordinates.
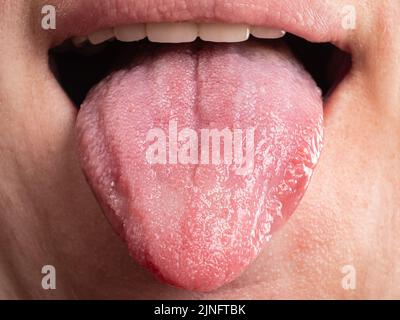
(80, 66)
(195, 216)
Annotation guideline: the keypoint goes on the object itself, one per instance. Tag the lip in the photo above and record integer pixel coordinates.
(313, 21)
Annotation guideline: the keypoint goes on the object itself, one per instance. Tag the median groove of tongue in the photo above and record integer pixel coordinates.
(199, 225)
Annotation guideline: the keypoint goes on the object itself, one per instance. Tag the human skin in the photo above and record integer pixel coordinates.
(350, 214)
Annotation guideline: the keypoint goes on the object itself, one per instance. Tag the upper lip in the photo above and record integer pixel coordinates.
(315, 21)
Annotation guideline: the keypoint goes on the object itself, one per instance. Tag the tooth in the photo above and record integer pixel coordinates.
(223, 32)
(172, 32)
(266, 33)
(77, 41)
(101, 36)
(133, 32)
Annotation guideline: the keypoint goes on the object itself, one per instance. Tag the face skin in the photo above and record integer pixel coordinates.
(350, 214)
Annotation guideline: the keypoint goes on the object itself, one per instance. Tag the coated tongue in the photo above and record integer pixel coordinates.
(142, 145)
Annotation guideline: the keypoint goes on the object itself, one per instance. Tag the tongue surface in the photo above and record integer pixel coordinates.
(196, 223)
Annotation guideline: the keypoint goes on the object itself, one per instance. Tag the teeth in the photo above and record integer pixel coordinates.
(101, 36)
(178, 32)
(172, 32)
(223, 32)
(133, 32)
(78, 41)
(266, 33)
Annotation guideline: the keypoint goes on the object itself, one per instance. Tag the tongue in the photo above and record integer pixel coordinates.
(192, 212)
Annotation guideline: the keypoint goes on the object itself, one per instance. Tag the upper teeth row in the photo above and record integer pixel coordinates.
(178, 32)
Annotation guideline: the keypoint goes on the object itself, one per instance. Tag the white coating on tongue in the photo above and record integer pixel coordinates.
(199, 226)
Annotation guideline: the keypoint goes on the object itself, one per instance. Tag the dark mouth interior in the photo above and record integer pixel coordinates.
(79, 69)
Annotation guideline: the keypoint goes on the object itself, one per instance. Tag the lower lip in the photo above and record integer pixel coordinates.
(199, 226)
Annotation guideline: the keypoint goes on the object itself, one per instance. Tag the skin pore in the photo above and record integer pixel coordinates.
(350, 214)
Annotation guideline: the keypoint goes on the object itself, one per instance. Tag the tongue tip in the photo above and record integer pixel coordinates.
(195, 284)
(199, 270)
(198, 279)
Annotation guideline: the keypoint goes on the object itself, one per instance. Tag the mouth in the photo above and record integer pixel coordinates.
(158, 84)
